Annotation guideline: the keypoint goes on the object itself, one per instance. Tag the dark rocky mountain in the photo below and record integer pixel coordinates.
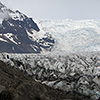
(20, 34)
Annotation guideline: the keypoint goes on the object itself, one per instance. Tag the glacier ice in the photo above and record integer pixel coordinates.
(71, 72)
(73, 36)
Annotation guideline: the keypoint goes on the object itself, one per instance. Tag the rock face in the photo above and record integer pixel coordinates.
(20, 34)
(15, 85)
(2, 88)
(70, 73)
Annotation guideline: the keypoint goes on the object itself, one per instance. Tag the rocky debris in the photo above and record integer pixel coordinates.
(16, 85)
(2, 88)
(6, 95)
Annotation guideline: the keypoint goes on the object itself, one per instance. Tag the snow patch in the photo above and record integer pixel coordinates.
(9, 36)
(34, 35)
(1, 39)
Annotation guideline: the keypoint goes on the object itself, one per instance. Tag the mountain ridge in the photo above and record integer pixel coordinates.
(20, 34)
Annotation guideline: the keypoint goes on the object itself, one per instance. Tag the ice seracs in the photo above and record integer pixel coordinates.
(78, 73)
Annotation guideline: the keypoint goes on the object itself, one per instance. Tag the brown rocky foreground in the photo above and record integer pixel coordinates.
(16, 85)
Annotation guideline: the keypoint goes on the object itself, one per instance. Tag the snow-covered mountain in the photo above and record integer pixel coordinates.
(73, 36)
(20, 34)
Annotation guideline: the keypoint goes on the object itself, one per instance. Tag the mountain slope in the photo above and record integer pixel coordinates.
(20, 34)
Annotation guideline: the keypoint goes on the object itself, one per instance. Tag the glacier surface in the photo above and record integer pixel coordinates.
(73, 36)
(78, 73)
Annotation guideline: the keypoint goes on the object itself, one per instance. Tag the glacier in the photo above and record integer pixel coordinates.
(73, 36)
(79, 73)
(68, 58)
(72, 65)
